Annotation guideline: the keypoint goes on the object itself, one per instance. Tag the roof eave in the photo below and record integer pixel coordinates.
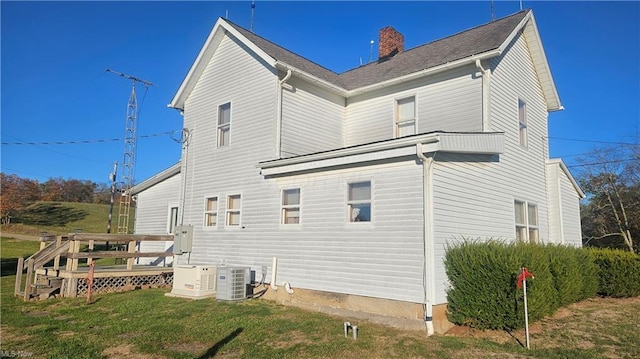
(561, 164)
(157, 178)
(204, 56)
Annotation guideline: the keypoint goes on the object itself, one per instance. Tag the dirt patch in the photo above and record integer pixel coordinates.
(66, 334)
(193, 348)
(8, 336)
(127, 351)
(293, 338)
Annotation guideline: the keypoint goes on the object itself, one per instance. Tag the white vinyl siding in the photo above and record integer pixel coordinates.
(312, 119)
(450, 101)
(291, 206)
(564, 208)
(405, 117)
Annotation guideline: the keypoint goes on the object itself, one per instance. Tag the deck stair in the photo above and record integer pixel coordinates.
(48, 252)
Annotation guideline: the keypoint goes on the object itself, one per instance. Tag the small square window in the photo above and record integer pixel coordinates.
(359, 202)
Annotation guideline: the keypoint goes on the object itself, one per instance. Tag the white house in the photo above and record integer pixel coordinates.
(357, 181)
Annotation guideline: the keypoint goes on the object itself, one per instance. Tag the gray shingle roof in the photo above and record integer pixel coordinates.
(467, 43)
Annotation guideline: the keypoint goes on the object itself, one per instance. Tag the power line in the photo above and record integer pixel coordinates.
(594, 141)
(82, 142)
(603, 162)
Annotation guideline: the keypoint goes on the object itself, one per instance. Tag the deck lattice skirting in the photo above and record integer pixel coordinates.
(71, 281)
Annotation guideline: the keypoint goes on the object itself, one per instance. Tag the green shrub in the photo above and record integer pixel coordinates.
(619, 272)
(483, 277)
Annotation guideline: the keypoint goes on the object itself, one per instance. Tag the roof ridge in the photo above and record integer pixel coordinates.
(441, 39)
(275, 44)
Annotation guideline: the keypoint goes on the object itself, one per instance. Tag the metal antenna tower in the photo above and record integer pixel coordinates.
(129, 161)
(253, 6)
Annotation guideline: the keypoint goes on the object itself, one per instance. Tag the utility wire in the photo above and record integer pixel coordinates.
(81, 142)
(593, 141)
(603, 162)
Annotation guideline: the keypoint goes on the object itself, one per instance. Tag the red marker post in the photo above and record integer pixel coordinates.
(522, 283)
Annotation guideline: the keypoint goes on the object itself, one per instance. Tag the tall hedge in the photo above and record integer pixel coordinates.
(619, 272)
(483, 276)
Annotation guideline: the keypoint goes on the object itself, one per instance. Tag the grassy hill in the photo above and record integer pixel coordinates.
(65, 217)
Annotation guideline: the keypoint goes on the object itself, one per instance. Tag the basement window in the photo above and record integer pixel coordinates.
(359, 202)
(291, 206)
(526, 218)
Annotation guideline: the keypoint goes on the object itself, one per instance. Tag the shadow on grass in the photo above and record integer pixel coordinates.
(8, 266)
(214, 349)
(50, 214)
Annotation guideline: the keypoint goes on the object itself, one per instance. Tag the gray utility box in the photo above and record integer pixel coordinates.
(233, 283)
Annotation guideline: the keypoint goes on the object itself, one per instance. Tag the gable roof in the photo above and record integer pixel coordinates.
(157, 178)
(481, 42)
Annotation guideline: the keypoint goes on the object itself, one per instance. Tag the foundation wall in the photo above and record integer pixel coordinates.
(398, 314)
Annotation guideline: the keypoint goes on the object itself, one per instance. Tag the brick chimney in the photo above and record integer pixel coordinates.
(391, 42)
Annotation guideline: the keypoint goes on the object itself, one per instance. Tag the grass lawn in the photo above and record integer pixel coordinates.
(146, 324)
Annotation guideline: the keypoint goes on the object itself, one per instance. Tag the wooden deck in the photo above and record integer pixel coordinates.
(71, 281)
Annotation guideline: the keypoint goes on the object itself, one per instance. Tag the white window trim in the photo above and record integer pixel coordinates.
(526, 225)
(523, 142)
(218, 126)
(170, 206)
(228, 211)
(349, 203)
(283, 207)
(395, 114)
(217, 211)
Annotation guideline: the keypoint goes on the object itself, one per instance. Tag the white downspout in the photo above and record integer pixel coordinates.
(428, 241)
(279, 100)
(486, 125)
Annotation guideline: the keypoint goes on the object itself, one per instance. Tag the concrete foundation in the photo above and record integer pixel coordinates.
(398, 314)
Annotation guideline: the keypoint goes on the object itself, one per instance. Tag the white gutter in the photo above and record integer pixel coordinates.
(279, 100)
(486, 124)
(425, 72)
(429, 279)
(311, 78)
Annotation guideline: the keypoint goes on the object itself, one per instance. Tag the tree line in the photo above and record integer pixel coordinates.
(17, 193)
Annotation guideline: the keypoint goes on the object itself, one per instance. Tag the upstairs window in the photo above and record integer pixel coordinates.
(406, 116)
(526, 222)
(359, 202)
(233, 210)
(291, 206)
(522, 120)
(211, 212)
(224, 124)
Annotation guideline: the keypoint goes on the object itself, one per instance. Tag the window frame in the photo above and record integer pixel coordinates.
(351, 202)
(286, 207)
(523, 126)
(221, 127)
(229, 211)
(171, 225)
(527, 231)
(397, 122)
(208, 212)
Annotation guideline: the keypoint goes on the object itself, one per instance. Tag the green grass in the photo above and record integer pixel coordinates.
(66, 217)
(146, 324)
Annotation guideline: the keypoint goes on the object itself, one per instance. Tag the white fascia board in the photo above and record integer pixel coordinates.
(529, 29)
(311, 78)
(484, 143)
(157, 178)
(206, 52)
(560, 163)
(425, 72)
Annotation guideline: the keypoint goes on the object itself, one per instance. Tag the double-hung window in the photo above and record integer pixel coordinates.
(406, 116)
(291, 206)
(211, 212)
(233, 210)
(522, 121)
(359, 202)
(526, 221)
(224, 124)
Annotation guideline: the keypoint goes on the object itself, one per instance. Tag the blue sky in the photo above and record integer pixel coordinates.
(54, 87)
